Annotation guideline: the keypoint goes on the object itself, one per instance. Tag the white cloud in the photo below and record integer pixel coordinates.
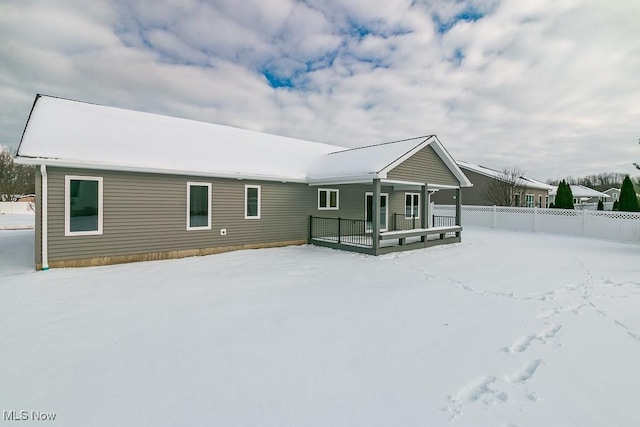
(551, 85)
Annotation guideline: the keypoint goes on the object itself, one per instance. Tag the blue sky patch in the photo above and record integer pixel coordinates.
(277, 81)
(467, 15)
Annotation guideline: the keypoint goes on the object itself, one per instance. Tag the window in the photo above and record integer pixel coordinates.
(412, 205)
(198, 206)
(516, 199)
(529, 200)
(252, 202)
(546, 201)
(82, 205)
(327, 199)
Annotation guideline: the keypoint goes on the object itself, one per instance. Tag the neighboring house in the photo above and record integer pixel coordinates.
(533, 193)
(613, 193)
(116, 185)
(581, 195)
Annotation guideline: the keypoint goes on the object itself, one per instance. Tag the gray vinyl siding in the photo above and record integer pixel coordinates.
(425, 166)
(352, 201)
(146, 213)
(477, 195)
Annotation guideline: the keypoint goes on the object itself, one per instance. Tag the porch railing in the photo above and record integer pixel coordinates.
(444, 221)
(340, 230)
(402, 222)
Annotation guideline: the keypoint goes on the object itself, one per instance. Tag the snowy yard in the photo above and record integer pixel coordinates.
(504, 329)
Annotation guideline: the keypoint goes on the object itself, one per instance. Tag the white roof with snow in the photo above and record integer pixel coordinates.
(524, 181)
(580, 191)
(62, 132)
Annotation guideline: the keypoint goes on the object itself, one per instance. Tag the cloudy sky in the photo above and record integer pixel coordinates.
(552, 86)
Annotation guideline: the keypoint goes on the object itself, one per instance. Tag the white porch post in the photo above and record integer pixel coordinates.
(375, 220)
(458, 209)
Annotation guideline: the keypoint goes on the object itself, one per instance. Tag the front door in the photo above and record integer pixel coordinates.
(384, 211)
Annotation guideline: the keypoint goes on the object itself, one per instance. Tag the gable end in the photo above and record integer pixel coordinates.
(424, 166)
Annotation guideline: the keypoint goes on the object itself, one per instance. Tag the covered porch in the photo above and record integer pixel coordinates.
(396, 217)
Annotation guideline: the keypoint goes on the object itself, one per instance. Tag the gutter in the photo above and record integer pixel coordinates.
(111, 167)
(44, 218)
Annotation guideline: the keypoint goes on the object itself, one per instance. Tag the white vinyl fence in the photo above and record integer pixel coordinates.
(623, 226)
(17, 208)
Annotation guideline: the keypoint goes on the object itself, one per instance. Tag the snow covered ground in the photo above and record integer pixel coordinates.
(504, 329)
(16, 221)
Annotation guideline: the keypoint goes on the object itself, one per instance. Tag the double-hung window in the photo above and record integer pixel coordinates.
(529, 200)
(252, 202)
(198, 206)
(328, 199)
(412, 205)
(82, 205)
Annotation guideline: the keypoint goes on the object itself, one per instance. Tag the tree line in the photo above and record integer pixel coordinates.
(600, 182)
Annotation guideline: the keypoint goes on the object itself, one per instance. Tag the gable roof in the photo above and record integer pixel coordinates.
(378, 160)
(491, 173)
(68, 133)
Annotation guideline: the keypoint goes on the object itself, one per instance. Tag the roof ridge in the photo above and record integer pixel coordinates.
(383, 143)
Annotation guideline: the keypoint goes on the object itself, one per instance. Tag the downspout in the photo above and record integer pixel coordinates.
(44, 218)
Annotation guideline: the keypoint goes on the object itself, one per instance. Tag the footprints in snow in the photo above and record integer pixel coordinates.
(524, 373)
(489, 390)
(522, 343)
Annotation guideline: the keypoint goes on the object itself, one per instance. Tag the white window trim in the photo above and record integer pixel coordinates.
(329, 191)
(67, 205)
(246, 194)
(405, 204)
(529, 200)
(188, 213)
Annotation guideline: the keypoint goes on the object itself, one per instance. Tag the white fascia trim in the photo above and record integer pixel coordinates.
(442, 187)
(395, 182)
(356, 179)
(120, 168)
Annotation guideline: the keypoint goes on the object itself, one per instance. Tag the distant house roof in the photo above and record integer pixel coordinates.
(71, 133)
(580, 191)
(524, 181)
(611, 191)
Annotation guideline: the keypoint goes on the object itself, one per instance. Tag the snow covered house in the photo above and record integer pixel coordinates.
(531, 192)
(117, 185)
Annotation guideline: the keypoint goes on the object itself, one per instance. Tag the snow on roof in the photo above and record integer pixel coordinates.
(524, 181)
(580, 191)
(363, 161)
(83, 133)
(78, 134)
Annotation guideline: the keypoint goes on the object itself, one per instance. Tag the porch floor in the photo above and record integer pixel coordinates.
(364, 244)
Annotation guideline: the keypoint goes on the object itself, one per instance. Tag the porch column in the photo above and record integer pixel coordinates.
(375, 220)
(424, 209)
(458, 209)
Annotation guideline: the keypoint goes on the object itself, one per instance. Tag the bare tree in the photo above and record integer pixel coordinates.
(15, 179)
(507, 188)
